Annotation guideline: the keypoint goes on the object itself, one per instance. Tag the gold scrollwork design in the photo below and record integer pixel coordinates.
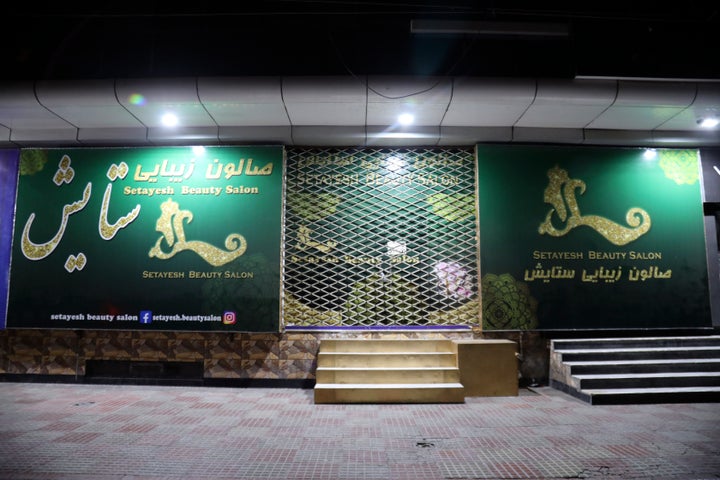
(75, 262)
(560, 193)
(170, 225)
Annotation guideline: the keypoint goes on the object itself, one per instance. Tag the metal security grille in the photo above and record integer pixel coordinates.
(380, 237)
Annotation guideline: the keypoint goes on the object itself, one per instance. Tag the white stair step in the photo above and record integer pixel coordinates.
(388, 371)
(386, 346)
(387, 375)
(382, 386)
(390, 393)
(377, 360)
(409, 370)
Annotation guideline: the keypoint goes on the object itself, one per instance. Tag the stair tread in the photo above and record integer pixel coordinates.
(653, 361)
(404, 352)
(407, 386)
(647, 375)
(386, 340)
(634, 339)
(398, 369)
(650, 371)
(636, 349)
(600, 391)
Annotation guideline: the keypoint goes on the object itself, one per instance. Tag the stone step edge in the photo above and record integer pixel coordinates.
(637, 349)
(635, 339)
(394, 354)
(380, 340)
(658, 361)
(647, 375)
(392, 369)
(649, 390)
(384, 386)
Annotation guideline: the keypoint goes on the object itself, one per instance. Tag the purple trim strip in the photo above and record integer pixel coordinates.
(382, 327)
(8, 190)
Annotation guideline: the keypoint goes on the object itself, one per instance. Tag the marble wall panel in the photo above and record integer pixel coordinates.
(298, 369)
(116, 346)
(27, 343)
(59, 365)
(60, 344)
(224, 346)
(287, 355)
(150, 348)
(299, 347)
(25, 364)
(261, 347)
(260, 369)
(4, 351)
(223, 368)
(186, 349)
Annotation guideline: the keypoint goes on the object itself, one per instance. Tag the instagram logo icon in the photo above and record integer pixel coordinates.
(229, 318)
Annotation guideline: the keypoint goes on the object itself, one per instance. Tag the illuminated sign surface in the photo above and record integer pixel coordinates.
(574, 238)
(148, 238)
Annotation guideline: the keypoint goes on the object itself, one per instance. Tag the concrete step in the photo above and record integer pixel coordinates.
(635, 342)
(388, 371)
(644, 353)
(389, 393)
(387, 345)
(386, 359)
(388, 375)
(649, 380)
(645, 366)
(623, 396)
(637, 370)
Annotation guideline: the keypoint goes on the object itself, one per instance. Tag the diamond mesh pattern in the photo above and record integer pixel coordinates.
(380, 237)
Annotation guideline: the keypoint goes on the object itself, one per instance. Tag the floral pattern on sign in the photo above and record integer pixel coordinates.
(453, 280)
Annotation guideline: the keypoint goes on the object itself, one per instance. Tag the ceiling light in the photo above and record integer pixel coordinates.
(406, 119)
(516, 29)
(649, 154)
(401, 135)
(169, 120)
(708, 122)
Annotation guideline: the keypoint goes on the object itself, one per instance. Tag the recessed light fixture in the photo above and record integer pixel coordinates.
(400, 135)
(708, 122)
(406, 119)
(169, 120)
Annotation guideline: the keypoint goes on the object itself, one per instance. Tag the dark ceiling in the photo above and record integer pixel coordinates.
(149, 39)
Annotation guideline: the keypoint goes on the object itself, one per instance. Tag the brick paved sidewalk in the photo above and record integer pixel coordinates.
(102, 432)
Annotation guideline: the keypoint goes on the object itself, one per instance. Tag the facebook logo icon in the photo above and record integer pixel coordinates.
(145, 316)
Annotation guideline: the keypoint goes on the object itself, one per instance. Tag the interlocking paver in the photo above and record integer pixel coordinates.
(125, 432)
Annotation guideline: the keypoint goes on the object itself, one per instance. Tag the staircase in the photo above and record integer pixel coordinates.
(637, 370)
(388, 371)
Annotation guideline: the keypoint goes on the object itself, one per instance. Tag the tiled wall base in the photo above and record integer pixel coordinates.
(290, 355)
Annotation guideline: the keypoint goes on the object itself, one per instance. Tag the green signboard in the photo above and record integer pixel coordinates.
(581, 238)
(174, 238)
